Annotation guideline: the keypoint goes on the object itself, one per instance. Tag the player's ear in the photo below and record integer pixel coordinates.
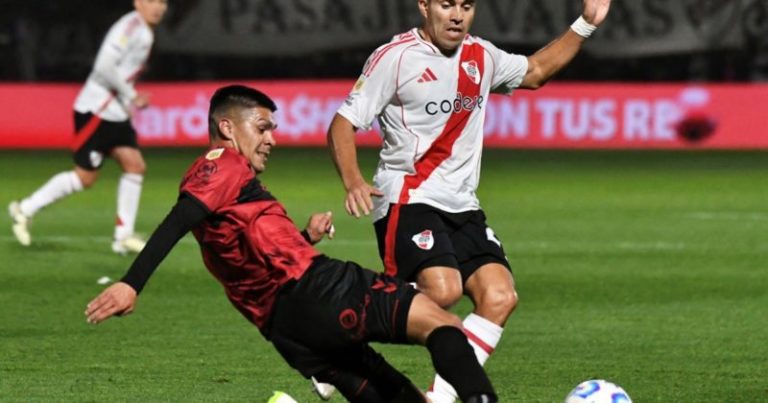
(225, 129)
(423, 4)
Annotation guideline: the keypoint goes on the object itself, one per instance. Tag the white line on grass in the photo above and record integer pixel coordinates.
(728, 216)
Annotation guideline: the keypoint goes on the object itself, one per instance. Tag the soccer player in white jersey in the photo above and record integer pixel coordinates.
(102, 113)
(429, 88)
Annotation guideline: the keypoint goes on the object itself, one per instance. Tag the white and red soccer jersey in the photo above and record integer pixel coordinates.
(431, 109)
(121, 58)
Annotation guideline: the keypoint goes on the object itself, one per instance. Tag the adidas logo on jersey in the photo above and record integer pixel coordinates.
(427, 76)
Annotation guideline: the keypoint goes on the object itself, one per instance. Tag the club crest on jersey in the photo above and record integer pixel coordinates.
(472, 71)
(348, 319)
(424, 239)
(205, 171)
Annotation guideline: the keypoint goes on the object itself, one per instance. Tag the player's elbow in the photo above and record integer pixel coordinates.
(534, 80)
(341, 130)
(536, 76)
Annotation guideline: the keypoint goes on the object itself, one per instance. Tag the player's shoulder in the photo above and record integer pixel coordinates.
(487, 46)
(390, 50)
(220, 159)
(473, 40)
(214, 154)
(225, 155)
(217, 167)
(398, 42)
(131, 25)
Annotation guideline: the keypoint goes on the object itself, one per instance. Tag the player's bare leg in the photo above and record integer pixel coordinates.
(128, 196)
(441, 284)
(450, 349)
(492, 289)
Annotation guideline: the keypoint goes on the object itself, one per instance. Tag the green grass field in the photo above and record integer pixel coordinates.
(646, 268)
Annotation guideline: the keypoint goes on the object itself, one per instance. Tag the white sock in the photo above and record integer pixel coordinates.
(60, 185)
(483, 336)
(128, 195)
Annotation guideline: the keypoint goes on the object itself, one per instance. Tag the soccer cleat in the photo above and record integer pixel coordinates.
(131, 244)
(20, 223)
(324, 390)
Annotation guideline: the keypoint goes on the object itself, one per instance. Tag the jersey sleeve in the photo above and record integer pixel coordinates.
(214, 180)
(184, 216)
(509, 69)
(118, 42)
(373, 90)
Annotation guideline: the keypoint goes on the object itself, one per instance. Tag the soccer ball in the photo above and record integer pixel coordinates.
(281, 397)
(597, 391)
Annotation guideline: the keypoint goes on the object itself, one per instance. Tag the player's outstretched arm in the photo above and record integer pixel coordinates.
(117, 299)
(341, 141)
(550, 59)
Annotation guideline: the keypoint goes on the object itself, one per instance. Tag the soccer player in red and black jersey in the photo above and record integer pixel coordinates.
(319, 313)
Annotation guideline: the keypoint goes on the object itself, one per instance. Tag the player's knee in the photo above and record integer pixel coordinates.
(87, 184)
(445, 296)
(499, 300)
(87, 180)
(441, 317)
(136, 167)
(453, 320)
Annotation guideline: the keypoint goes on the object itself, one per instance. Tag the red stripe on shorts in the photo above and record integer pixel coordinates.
(86, 132)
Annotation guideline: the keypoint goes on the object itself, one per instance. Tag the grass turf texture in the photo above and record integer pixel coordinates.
(644, 268)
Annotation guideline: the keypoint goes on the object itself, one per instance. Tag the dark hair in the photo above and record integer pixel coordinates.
(234, 96)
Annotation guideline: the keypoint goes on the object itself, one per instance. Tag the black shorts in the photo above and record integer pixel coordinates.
(335, 307)
(95, 138)
(425, 236)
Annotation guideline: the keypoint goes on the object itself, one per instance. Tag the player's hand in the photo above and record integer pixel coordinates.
(141, 100)
(359, 198)
(116, 300)
(595, 11)
(319, 225)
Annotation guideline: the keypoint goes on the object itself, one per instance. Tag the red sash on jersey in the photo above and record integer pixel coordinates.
(441, 148)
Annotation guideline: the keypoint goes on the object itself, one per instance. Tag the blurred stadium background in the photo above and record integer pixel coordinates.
(630, 193)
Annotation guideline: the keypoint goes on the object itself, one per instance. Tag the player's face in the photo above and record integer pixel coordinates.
(253, 135)
(447, 22)
(152, 11)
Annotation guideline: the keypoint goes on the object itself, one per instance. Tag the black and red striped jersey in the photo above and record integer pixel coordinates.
(248, 242)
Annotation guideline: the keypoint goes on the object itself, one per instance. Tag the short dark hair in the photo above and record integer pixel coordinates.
(234, 96)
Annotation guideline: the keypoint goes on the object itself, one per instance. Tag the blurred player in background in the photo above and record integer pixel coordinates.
(102, 115)
(429, 88)
(318, 312)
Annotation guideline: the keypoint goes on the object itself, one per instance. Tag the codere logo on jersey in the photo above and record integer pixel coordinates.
(424, 239)
(454, 105)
